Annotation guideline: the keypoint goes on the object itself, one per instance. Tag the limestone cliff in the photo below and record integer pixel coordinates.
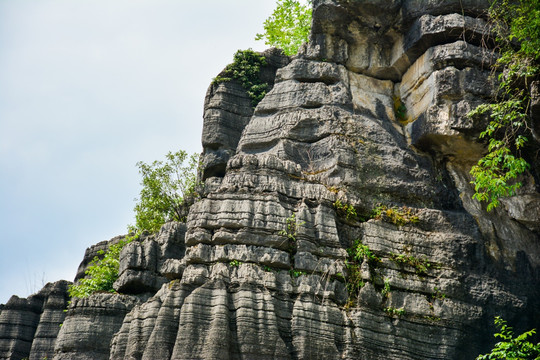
(230, 283)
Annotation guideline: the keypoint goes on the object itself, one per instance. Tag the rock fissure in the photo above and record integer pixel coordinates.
(371, 112)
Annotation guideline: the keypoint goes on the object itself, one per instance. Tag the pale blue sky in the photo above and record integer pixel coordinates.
(87, 89)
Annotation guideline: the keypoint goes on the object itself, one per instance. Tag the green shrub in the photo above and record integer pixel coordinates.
(291, 227)
(165, 187)
(296, 273)
(101, 273)
(345, 210)
(385, 292)
(516, 25)
(358, 252)
(421, 265)
(245, 68)
(235, 263)
(510, 347)
(396, 215)
(400, 110)
(288, 27)
(394, 312)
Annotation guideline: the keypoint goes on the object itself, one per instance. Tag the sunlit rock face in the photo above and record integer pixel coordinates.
(29, 327)
(227, 110)
(371, 112)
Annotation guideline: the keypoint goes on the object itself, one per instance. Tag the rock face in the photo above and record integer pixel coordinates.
(90, 324)
(370, 115)
(227, 111)
(152, 261)
(29, 327)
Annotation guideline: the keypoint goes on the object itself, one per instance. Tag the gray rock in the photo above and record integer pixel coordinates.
(244, 278)
(150, 261)
(227, 110)
(29, 327)
(90, 324)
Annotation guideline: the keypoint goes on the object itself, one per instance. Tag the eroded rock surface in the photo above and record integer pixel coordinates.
(371, 112)
(29, 327)
(227, 110)
(149, 262)
(90, 324)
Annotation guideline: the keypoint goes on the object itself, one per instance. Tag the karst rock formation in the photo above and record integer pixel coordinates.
(233, 282)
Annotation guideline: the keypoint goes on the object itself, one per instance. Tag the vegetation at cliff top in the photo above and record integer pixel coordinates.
(510, 347)
(166, 185)
(101, 272)
(165, 188)
(516, 25)
(246, 68)
(288, 27)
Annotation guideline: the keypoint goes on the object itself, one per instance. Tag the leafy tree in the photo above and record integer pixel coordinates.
(165, 187)
(512, 348)
(288, 27)
(516, 25)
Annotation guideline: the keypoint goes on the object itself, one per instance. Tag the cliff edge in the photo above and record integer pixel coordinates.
(371, 114)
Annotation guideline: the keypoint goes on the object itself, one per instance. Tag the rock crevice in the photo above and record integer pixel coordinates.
(371, 114)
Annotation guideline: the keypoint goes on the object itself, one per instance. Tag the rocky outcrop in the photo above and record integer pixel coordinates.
(329, 130)
(29, 327)
(151, 261)
(96, 250)
(227, 110)
(90, 324)
(371, 115)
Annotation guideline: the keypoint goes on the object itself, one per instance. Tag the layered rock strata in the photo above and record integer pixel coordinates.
(29, 327)
(227, 111)
(370, 115)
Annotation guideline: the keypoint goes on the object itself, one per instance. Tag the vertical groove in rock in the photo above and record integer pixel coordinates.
(371, 112)
(29, 327)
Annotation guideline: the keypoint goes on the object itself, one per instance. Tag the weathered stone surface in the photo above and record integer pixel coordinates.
(525, 209)
(150, 261)
(89, 325)
(93, 251)
(227, 110)
(383, 38)
(29, 327)
(250, 280)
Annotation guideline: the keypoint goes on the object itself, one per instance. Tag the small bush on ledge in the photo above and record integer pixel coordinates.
(245, 68)
(101, 273)
(396, 215)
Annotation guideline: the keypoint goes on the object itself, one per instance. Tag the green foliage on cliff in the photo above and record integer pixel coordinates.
(291, 227)
(166, 184)
(245, 68)
(165, 188)
(510, 347)
(357, 254)
(345, 210)
(101, 273)
(516, 25)
(399, 216)
(288, 27)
